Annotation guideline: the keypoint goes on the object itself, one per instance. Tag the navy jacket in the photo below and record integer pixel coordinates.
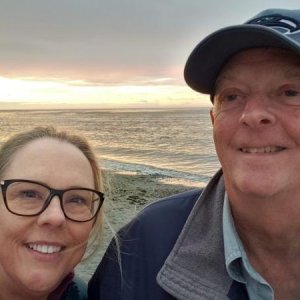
(77, 290)
(153, 250)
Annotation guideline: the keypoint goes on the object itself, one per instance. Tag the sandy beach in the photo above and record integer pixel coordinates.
(125, 196)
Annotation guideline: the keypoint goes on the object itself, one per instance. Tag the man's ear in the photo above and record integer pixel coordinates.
(212, 117)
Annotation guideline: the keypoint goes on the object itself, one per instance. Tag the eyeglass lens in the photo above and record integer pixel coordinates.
(28, 198)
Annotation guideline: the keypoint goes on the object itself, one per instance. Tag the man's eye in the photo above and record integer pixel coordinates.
(291, 93)
(231, 97)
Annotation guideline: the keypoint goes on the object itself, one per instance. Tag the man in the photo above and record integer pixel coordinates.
(239, 238)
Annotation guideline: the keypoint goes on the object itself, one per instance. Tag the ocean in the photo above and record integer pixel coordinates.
(175, 143)
(175, 146)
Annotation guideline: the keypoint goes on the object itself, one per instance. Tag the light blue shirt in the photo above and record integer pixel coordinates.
(237, 264)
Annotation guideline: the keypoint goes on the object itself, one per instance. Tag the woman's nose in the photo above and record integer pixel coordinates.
(53, 215)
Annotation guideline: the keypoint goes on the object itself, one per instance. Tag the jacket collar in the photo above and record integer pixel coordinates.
(195, 268)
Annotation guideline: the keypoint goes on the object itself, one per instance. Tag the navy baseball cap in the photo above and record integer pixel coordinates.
(279, 28)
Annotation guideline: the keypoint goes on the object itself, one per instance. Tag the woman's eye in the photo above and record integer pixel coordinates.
(29, 194)
(77, 200)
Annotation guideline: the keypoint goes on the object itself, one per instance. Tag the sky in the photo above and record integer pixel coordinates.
(108, 53)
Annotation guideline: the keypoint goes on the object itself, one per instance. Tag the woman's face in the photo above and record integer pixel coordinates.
(23, 270)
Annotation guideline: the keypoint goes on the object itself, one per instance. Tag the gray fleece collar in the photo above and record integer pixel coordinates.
(195, 268)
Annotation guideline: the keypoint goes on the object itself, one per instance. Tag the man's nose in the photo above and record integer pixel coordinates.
(53, 215)
(258, 112)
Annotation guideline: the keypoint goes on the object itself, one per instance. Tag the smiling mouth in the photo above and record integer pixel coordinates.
(268, 149)
(45, 249)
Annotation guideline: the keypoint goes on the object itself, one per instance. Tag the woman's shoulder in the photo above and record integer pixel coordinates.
(77, 290)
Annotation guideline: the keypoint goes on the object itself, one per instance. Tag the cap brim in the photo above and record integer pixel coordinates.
(210, 55)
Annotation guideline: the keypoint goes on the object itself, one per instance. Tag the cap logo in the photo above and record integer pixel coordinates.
(289, 25)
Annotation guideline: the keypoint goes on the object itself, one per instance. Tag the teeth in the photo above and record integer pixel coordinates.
(44, 248)
(268, 149)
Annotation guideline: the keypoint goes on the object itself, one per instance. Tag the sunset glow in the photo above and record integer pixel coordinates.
(32, 93)
(107, 54)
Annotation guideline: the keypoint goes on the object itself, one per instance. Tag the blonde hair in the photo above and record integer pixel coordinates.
(18, 141)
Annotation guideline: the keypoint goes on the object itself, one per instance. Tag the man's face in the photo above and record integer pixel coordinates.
(256, 122)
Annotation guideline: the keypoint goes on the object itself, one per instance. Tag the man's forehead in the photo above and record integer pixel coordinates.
(290, 61)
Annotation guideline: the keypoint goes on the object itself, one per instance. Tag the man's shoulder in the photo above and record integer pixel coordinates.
(135, 256)
(164, 216)
(174, 204)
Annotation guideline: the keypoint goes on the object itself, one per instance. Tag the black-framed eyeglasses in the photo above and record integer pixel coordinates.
(30, 198)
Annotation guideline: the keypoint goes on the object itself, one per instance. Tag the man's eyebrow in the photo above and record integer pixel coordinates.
(226, 75)
(293, 72)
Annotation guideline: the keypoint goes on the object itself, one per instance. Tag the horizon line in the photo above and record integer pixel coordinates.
(110, 109)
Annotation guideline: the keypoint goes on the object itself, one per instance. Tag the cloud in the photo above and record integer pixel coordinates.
(111, 41)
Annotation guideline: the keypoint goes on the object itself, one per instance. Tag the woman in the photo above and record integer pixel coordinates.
(48, 212)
